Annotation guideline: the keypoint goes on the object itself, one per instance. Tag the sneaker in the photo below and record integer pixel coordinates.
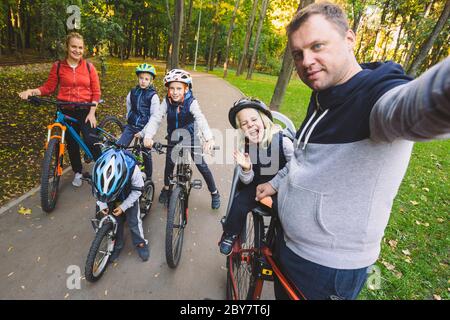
(143, 251)
(226, 245)
(114, 255)
(164, 196)
(77, 182)
(215, 200)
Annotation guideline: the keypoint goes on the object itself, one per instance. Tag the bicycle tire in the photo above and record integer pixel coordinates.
(49, 175)
(112, 125)
(94, 269)
(242, 266)
(146, 199)
(175, 221)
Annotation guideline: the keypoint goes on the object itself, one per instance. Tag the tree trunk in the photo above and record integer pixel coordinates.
(212, 43)
(429, 42)
(357, 14)
(186, 33)
(286, 70)
(230, 32)
(177, 26)
(169, 38)
(397, 45)
(412, 48)
(388, 34)
(248, 35)
(265, 4)
(374, 53)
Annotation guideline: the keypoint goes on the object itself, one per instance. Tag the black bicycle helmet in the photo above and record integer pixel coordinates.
(247, 103)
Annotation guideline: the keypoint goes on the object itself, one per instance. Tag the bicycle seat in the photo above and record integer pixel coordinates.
(265, 207)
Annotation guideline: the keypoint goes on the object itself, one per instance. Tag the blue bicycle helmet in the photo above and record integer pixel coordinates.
(110, 175)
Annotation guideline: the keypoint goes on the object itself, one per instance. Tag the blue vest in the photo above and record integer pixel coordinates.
(180, 116)
(131, 164)
(141, 102)
(257, 162)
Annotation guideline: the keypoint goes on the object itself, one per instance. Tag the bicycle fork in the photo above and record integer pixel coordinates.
(62, 145)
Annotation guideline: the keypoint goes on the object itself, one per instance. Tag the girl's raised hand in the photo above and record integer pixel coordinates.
(242, 159)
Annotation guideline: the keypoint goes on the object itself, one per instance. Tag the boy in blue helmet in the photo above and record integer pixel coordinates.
(142, 104)
(117, 178)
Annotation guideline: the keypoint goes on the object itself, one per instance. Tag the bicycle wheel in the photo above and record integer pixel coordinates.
(101, 248)
(49, 175)
(241, 265)
(175, 227)
(112, 125)
(146, 199)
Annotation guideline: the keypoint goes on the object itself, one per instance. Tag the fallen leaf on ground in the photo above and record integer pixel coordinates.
(24, 211)
(10, 249)
(156, 275)
(10, 274)
(408, 260)
(38, 259)
(393, 243)
(388, 265)
(66, 296)
(426, 189)
(23, 287)
(440, 220)
(436, 297)
(406, 252)
(414, 203)
(106, 292)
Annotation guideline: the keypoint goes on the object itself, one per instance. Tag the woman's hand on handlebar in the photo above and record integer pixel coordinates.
(29, 92)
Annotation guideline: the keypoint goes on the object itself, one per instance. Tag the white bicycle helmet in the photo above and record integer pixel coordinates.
(178, 75)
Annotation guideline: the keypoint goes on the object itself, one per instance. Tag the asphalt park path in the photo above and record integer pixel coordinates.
(40, 253)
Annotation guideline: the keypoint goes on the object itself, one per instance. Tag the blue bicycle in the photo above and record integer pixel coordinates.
(52, 165)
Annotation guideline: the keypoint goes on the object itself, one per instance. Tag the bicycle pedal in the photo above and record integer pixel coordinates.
(266, 270)
(196, 184)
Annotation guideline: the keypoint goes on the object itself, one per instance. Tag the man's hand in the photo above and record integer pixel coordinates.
(117, 211)
(105, 211)
(148, 142)
(264, 190)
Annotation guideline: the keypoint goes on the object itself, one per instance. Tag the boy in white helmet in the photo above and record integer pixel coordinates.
(183, 112)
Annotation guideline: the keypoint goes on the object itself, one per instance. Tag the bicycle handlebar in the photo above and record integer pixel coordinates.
(39, 100)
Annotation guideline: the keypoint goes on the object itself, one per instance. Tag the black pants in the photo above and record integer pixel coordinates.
(199, 162)
(243, 202)
(126, 138)
(86, 131)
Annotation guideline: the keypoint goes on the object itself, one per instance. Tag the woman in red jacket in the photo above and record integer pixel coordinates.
(78, 82)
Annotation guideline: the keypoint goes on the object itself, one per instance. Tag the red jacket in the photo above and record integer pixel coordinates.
(77, 85)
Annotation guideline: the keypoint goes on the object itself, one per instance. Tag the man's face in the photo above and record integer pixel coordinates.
(322, 55)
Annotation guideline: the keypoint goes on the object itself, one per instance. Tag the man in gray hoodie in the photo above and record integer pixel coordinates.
(351, 153)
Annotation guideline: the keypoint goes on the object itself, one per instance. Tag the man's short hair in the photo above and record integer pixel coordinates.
(332, 12)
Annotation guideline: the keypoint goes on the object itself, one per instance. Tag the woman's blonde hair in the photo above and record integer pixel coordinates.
(270, 129)
(69, 37)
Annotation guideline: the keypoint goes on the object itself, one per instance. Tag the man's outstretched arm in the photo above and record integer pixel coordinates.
(417, 111)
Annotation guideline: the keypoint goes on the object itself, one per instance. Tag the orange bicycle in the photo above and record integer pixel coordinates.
(252, 262)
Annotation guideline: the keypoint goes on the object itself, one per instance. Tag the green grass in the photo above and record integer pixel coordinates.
(416, 243)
